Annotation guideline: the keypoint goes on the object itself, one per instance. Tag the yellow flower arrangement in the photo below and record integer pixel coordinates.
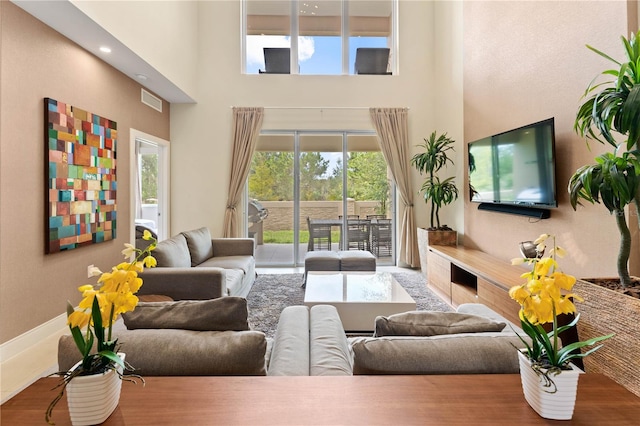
(101, 305)
(544, 296)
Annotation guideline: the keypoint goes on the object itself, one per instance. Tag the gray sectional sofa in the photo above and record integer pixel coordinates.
(474, 340)
(214, 337)
(194, 266)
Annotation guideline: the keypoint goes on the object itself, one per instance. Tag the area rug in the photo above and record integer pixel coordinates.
(271, 293)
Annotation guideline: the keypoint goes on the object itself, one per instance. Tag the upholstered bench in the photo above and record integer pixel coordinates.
(347, 260)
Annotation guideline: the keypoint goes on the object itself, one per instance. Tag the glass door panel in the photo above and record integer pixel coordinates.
(369, 190)
(270, 209)
(320, 189)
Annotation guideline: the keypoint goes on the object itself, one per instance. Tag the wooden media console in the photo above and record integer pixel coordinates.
(462, 275)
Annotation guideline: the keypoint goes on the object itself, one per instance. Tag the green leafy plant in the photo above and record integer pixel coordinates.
(544, 296)
(436, 192)
(614, 181)
(613, 106)
(101, 305)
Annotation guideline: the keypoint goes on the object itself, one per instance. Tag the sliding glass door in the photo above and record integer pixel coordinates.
(307, 190)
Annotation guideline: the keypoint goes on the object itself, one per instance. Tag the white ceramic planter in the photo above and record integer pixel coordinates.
(556, 405)
(92, 399)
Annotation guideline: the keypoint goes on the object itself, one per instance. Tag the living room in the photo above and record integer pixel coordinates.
(471, 69)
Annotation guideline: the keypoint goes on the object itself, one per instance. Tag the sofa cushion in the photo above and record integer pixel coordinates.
(426, 323)
(199, 243)
(225, 313)
(474, 353)
(171, 352)
(173, 252)
(241, 263)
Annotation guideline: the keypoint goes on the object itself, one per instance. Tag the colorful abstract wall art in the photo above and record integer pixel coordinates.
(81, 177)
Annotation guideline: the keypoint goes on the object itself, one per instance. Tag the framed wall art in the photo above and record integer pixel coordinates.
(81, 177)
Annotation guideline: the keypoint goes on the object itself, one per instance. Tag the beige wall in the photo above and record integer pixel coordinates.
(37, 62)
(163, 33)
(524, 62)
(201, 133)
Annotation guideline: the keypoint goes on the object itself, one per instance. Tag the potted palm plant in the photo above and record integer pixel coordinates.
(437, 192)
(612, 107)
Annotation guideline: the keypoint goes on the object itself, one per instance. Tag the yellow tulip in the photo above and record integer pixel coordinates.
(565, 306)
(518, 293)
(146, 235)
(564, 281)
(78, 319)
(150, 262)
(129, 250)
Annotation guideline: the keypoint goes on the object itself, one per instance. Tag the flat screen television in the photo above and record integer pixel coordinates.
(515, 168)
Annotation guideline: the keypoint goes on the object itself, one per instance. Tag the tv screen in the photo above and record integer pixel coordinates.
(516, 167)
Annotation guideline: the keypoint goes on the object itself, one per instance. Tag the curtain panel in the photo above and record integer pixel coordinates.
(392, 127)
(246, 129)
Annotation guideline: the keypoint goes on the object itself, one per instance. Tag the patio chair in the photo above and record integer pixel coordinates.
(358, 234)
(319, 236)
(381, 237)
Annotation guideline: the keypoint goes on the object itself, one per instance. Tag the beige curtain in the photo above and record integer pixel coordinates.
(246, 128)
(392, 127)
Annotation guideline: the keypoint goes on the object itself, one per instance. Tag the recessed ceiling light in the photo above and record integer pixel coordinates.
(105, 49)
(141, 77)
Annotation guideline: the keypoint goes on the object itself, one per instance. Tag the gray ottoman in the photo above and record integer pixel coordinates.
(320, 261)
(357, 260)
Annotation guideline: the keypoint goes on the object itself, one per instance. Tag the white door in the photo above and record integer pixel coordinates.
(150, 187)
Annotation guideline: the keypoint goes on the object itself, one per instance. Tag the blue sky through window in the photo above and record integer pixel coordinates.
(319, 55)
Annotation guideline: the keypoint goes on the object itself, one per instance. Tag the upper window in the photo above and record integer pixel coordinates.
(321, 37)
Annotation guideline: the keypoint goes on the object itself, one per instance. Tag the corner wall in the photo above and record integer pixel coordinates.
(37, 62)
(524, 62)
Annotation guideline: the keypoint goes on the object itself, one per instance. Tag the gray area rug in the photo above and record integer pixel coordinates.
(271, 293)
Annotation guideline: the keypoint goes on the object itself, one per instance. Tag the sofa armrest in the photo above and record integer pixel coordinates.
(290, 351)
(184, 283)
(328, 347)
(233, 246)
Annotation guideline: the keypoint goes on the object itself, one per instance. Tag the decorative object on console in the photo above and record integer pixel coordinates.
(81, 177)
(542, 298)
(92, 325)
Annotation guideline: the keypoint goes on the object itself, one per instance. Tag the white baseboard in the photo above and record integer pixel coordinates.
(30, 356)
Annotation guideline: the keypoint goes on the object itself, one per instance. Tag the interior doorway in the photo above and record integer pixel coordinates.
(150, 186)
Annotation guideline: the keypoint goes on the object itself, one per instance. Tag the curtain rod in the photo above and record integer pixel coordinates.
(291, 107)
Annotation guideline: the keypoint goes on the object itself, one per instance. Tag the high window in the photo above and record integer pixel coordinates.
(322, 37)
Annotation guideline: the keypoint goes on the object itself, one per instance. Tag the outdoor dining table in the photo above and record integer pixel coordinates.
(374, 223)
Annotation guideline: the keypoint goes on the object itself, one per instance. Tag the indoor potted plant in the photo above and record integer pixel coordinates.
(437, 192)
(612, 106)
(549, 379)
(93, 384)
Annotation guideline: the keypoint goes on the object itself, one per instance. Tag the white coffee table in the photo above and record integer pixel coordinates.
(358, 296)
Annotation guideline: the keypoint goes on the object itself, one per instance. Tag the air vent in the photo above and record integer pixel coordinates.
(151, 100)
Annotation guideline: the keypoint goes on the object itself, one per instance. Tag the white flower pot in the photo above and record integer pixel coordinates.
(556, 401)
(92, 399)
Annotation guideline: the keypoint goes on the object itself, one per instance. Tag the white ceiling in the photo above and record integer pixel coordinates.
(69, 21)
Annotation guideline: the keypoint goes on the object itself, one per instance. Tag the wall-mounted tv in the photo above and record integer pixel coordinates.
(515, 168)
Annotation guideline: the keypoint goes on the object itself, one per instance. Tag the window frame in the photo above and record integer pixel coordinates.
(345, 38)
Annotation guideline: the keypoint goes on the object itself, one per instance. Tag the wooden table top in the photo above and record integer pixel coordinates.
(357, 400)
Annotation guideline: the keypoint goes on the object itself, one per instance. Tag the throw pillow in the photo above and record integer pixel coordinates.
(222, 314)
(426, 323)
(199, 243)
(173, 253)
